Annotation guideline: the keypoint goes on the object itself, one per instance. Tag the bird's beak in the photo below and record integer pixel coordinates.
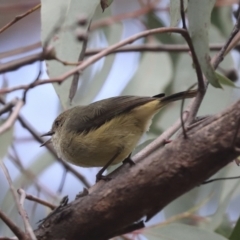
(48, 141)
(50, 133)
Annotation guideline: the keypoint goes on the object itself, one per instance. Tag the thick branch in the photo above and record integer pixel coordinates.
(151, 184)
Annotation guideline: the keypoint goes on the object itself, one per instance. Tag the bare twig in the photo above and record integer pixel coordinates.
(6, 238)
(8, 107)
(11, 120)
(152, 48)
(15, 64)
(16, 161)
(37, 77)
(182, 14)
(41, 201)
(20, 50)
(24, 215)
(64, 175)
(74, 84)
(108, 50)
(7, 175)
(135, 48)
(14, 228)
(19, 17)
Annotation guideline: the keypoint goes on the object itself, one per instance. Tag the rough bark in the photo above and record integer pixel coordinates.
(146, 188)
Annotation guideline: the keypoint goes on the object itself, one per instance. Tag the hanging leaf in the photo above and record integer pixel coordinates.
(225, 81)
(236, 231)
(63, 14)
(86, 95)
(153, 75)
(199, 14)
(175, 14)
(222, 19)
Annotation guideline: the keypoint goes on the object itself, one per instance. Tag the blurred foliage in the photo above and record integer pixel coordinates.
(154, 72)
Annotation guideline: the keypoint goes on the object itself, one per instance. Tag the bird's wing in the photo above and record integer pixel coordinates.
(97, 113)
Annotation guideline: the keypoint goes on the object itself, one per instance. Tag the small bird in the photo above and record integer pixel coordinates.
(105, 132)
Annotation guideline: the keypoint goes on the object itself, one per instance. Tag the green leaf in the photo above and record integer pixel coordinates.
(175, 14)
(6, 139)
(178, 231)
(64, 13)
(153, 75)
(229, 188)
(225, 81)
(235, 235)
(199, 13)
(88, 93)
(222, 19)
(182, 204)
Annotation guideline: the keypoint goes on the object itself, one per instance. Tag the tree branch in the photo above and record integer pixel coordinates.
(146, 188)
(14, 228)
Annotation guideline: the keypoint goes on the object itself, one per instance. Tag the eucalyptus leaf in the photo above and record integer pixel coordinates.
(153, 75)
(177, 231)
(113, 34)
(175, 13)
(199, 14)
(225, 81)
(228, 190)
(236, 231)
(182, 204)
(63, 14)
(221, 18)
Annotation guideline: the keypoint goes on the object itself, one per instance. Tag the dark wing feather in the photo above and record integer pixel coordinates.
(97, 113)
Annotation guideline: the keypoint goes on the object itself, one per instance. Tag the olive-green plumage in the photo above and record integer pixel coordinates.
(90, 136)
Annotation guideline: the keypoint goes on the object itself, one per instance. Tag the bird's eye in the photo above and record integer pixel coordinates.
(57, 123)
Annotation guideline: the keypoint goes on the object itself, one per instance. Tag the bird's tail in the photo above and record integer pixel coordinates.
(178, 96)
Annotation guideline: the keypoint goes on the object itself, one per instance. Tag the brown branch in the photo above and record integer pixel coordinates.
(75, 80)
(28, 228)
(15, 64)
(19, 17)
(17, 202)
(147, 187)
(152, 48)
(8, 107)
(41, 201)
(12, 118)
(14, 228)
(108, 50)
(20, 50)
